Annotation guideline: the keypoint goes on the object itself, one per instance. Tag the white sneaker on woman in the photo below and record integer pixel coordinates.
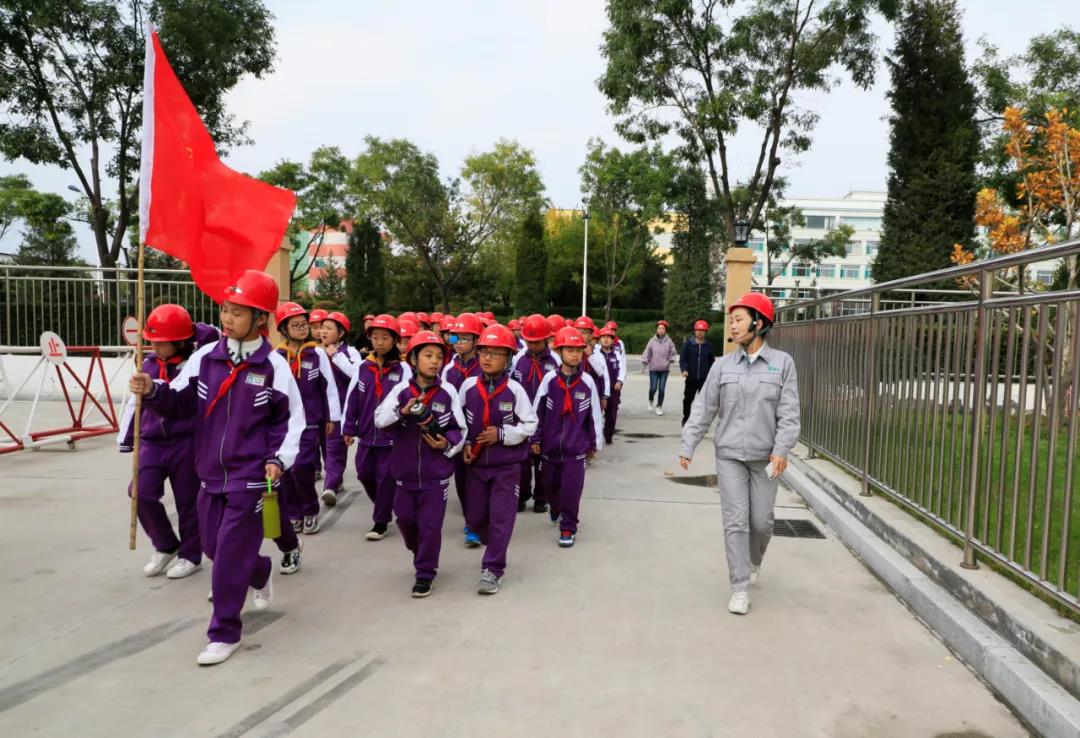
(650, 406)
(740, 603)
(659, 410)
(755, 574)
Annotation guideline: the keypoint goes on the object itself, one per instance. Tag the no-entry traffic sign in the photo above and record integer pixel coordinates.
(129, 330)
(53, 348)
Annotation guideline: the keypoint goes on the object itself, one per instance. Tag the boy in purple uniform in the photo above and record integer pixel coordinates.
(425, 442)
(166, 448)
(528, 369)
(615, 362)
(371, 382)
(569, 433)
(310, 367)
(248, 422)
(464, 332)
(335, 331)
(500, 422)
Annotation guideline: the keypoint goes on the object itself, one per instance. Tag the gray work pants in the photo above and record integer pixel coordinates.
(747, 496)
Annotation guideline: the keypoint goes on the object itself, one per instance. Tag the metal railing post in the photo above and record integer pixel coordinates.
(869, 390)
(810, 438)
(8, 299)
(986, 278)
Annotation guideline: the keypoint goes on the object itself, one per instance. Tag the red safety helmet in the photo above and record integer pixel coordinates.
(317, 315)
(585, 323)
(368, 317)
(701, 325)
(427, 338)
(756, 301)
(605, 331)
(437, 317)
(408, 328)
(407, 315)
(487, 314)
(535, 328)
(339, 318)
(387, 322)
(467, 323)
(447, 324)
(423, 318)
(612, 325)
(568, 323)
(168, 323)
(498, 336)
(514, 325)
(485, 322)
(254, 289)
(288, 310)
(555, 324)
(569, 337)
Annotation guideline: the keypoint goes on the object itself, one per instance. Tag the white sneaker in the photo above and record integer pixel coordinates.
(159, 562)
(182, 568)
(650, 406)
(755, 574)
(659, 410)
(311, 524)
(329, 497)
(216, 652)
(264, 596)
(740, 603)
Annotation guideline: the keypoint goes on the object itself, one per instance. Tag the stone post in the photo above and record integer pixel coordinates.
(279, 268)
(738, 267)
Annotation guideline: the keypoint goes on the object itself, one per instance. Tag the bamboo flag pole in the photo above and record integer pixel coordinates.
(140, 314)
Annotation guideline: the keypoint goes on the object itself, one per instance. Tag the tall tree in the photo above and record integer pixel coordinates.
(783, 249)
(13, 190)
(690, 292)
(530, 265)
(365, 271)
(934, 144)
(331, 285)
(703, 69)
(71, 86)
(323, 200)
(626, 192)
(48, 238)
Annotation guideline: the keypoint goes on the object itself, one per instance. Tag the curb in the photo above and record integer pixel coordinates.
(1032, 694)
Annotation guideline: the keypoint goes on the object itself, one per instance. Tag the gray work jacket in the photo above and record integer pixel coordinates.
(756, 407)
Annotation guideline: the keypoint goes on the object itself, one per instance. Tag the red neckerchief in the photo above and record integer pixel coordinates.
(466, 370)
(294, 360)
(164, 364)
(486, 397)
(425, 397)
(568, 406)
(534, 369)
(226, 385)
(379, 372)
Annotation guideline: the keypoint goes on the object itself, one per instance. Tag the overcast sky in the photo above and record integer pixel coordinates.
(455, 77)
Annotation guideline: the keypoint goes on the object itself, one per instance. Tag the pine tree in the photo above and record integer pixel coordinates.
(365, 271)
(331, 286)
(934, 144)
(689, 293)
(530, 265)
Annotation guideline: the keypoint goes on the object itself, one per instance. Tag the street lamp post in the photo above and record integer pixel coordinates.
(585, 265)
(742, 232)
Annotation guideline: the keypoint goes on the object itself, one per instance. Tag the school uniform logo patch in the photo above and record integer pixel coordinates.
(256, 380)
(307, 364)
(506, 407)
(438, 407)
(580, 396)
(395, 376)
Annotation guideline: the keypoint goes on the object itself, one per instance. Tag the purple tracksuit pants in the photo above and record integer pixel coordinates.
(564, 481)
(173, 460)
(298, 484)
(420, 511)
(493, 496)
(461, 483)
(531, 485)
(611, 415)
(232, 531)
(373, 470)
(337, 460)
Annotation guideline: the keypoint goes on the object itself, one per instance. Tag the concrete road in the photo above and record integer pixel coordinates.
(627, 634)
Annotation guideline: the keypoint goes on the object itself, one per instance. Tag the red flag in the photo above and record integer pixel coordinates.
(191, 206)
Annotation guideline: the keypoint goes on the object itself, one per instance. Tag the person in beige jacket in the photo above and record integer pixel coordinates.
(753, 395)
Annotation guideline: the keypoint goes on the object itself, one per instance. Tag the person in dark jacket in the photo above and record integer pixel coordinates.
(695, 361)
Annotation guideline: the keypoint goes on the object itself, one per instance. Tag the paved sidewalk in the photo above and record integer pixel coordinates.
(627, 634)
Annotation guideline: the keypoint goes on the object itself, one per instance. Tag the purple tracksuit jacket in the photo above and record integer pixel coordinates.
(343, 378)
(529, 372)
(616, 366)
(370, 386)
(259, 419)
(567, 432)
(509, 410)
(414, 462)
(318, 390)
(455, 373)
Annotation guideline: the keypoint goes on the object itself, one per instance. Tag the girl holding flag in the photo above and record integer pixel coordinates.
(500, 421)
(372, 381)
(249, 418)
(425, 443)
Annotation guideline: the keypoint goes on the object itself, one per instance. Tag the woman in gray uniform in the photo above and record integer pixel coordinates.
(753, 394)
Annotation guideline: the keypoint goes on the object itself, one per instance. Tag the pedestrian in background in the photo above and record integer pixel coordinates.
(659, 354)
(695, 361)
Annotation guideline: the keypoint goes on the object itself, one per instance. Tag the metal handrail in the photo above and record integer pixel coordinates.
(1008, 261)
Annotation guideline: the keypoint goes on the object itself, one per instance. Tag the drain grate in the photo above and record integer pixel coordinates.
(641, 435)
(796, 529)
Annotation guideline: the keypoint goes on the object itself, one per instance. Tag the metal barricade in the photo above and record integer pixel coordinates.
(963, 411)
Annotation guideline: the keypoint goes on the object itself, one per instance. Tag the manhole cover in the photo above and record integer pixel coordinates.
(642, 435)
(796, 529)
(708, 480)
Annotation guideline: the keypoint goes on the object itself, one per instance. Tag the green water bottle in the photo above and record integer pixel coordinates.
(270, 513)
